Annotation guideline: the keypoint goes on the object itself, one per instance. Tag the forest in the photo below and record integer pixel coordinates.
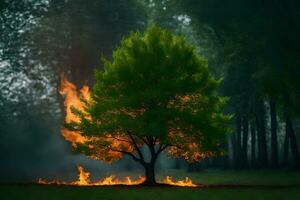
(250, 48)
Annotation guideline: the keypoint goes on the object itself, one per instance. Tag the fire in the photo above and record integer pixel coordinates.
(72, 99)
(84, 180)
(184, 183)
(83, 177)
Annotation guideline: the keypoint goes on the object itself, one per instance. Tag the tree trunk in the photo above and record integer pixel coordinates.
(245, 142)
(293, 140)
(274, 142)
(234, 156)
(285, 148)
(148, 166)
(261, 136)
(238, 140)
(253, 144)
(149, 174)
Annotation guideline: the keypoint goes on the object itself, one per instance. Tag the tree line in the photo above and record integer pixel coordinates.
(257, 44)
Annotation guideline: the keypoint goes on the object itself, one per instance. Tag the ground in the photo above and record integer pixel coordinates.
(225, 185)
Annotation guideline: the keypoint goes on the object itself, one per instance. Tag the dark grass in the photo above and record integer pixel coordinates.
(145, 193)
(241, 177)
(252, 185)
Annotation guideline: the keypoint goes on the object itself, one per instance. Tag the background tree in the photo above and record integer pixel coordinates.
(156, 92)
(269, 61)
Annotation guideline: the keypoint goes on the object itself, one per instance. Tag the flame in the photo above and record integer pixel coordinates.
(84, 180)
(72, 99)
(83, 177)
(187, 182)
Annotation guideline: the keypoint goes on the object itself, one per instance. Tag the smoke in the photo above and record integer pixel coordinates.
(34, 148)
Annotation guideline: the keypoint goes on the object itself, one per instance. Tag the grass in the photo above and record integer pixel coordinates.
(242, 177)
(263, 179)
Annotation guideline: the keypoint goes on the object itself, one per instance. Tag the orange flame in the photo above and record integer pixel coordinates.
(83, 177)
(184, 183)
(72, 99)
(83, 180)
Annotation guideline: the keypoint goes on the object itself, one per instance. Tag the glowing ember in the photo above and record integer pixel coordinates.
(83, 180)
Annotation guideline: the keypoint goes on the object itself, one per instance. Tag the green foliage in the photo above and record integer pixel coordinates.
(156, 84)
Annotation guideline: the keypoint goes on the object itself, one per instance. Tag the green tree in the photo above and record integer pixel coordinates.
(266, 45)
(156, 93)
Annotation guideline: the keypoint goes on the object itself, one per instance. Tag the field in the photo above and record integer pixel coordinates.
(254, 185)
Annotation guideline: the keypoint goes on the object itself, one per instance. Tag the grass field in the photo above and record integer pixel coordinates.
(262, 185)
(241, 177)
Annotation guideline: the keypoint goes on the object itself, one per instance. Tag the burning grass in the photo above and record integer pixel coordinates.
(228, 178)
(84, 180)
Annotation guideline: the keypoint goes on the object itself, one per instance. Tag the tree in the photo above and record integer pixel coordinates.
(156, 93)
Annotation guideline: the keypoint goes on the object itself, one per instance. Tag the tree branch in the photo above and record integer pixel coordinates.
(126, 153)
(149, 140)
(155, 140)
(143, 139)
(162, 148)
(135, 146)
(130, 154)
